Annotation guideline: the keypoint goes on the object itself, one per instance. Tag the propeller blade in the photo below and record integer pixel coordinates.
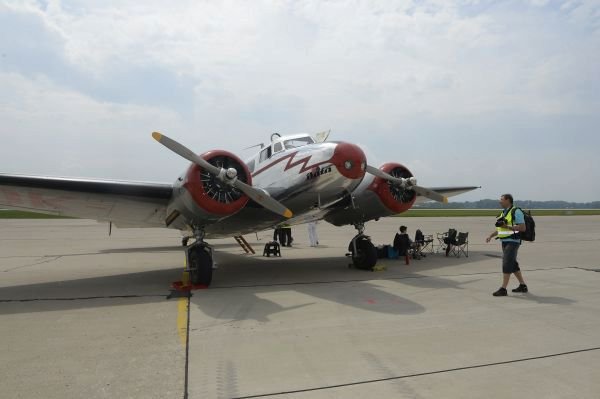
(255, 194)
(386, 176)
(186, 153)
(263, 199)
(407, 183)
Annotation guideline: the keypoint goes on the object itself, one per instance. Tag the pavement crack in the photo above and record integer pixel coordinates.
(587, 270)
(45, 259)
(427, 373)
(85, 298)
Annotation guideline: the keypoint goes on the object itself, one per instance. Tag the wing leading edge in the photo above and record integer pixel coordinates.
(127, 204)
(447, 191)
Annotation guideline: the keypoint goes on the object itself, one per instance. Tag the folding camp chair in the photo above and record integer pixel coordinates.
(461, 246)
(446, 240)
(427, 246)
(440, 242)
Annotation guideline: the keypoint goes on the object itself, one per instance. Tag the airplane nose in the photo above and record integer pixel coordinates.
(349, 160)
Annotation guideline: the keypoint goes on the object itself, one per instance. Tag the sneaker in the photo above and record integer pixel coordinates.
(501, 292)
(521, 288)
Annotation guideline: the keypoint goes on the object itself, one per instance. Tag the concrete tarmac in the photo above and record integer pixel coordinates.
(83, 314)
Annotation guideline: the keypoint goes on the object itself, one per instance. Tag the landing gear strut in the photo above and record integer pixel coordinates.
(362, 250)
(199, 260)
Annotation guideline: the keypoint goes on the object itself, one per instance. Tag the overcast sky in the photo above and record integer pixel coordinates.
(505, 95)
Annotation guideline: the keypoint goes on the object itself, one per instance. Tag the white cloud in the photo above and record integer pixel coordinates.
(51, 130)
(226, 74)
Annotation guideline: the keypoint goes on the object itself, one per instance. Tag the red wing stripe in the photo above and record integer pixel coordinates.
(291, 164)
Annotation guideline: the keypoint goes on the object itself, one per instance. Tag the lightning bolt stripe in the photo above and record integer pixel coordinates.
(291, 163)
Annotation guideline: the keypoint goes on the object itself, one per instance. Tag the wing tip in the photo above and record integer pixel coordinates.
(288, 214)
(156, 136)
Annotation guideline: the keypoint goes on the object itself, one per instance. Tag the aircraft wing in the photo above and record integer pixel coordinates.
(447, 191)
(127, 204)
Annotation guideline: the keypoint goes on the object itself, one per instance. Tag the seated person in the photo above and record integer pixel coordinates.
(450, 240)
(402, 242)
(419, 243)
(419, 237)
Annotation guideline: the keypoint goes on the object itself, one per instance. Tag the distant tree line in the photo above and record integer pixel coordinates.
(527, 204)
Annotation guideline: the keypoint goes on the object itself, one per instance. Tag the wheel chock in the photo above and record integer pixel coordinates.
(186, 287)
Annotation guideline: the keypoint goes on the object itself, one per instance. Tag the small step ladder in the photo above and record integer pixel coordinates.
(244, 244)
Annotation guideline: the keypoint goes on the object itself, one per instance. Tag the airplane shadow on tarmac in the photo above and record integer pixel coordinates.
(242, 285)
(251, 279)
(241, 302)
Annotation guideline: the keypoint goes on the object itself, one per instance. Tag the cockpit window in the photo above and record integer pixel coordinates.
(298, 142)
(277, 147)
(265, 154)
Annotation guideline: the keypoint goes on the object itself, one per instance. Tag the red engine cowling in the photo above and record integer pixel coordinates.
(210, 193)
(394, 197)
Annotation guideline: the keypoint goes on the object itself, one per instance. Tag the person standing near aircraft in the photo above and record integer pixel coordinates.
(287, 230)
(508, 226)
(312, 234)
(284, 233)
(277, 234)
(402, 241)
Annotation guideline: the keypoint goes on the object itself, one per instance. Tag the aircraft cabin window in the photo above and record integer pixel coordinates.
(277, 147)
(265, 154)
(299, 142)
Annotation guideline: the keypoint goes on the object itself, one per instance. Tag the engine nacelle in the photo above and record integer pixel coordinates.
(376, 198)
(395, 198)
(203, 197)
(211, 194)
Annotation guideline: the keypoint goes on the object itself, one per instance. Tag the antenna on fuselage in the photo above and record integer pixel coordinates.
(261, 145)
(274, 136)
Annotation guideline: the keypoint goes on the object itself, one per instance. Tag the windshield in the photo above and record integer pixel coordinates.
(298, 142)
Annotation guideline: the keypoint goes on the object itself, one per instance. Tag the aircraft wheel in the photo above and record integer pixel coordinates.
(200, 265)
(366, 254)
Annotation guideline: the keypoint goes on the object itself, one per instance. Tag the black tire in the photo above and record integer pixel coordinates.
(366, 254)
(201, 266)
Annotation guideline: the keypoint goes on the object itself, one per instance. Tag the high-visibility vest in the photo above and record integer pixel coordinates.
(504, 232)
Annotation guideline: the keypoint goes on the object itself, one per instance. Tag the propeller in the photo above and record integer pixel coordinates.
(410, 183)
(228, 176)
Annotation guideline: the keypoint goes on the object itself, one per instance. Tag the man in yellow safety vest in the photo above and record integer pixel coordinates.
(509, 224)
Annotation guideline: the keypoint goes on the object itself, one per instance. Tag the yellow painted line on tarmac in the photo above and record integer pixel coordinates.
(182, 308)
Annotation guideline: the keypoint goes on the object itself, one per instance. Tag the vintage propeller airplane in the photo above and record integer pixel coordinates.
(295, 179)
